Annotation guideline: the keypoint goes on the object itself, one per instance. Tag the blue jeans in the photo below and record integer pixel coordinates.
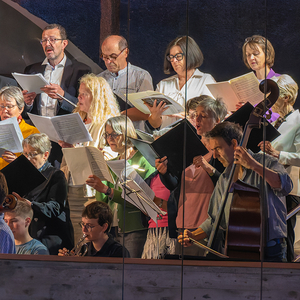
(276, 252)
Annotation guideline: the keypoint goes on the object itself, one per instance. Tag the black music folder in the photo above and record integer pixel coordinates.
(22, 176)
(171, 144)
(241, 116)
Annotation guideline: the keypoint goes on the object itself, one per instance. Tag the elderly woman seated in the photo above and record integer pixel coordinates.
(51, 215)
(12, 105)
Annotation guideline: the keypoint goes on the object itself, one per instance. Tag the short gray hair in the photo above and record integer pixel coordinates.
(216, 106)
(39, 141)
(119, 124)
(13, 92)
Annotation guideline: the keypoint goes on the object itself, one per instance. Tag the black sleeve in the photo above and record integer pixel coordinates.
(51, 201)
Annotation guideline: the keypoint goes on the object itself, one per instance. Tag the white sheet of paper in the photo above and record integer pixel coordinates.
(31, 82)
(68, 128)
(244, 88)
(10, 136)
(85, 161)
(137, 100)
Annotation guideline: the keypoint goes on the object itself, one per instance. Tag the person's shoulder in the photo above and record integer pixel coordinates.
(38, 247)
(139, 70)
(116, 249)
(104, 74)
(34, 67)
(77, 64)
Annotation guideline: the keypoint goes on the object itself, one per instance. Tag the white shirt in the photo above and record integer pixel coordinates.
(288, 143)
(52, 75)
(196, 86)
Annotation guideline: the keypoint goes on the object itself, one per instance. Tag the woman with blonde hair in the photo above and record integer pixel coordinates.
(96, 104)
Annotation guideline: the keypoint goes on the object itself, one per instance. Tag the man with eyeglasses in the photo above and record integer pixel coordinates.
(61, 72)
(114, 54)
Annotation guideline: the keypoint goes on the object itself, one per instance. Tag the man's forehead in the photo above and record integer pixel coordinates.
(217, 142)
(51, 33)
(110, 46)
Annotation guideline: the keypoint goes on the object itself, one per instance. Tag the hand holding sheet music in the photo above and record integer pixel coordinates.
(10, 136)
(84, 161)
(138, 100)
(68, 128)
(31, 82)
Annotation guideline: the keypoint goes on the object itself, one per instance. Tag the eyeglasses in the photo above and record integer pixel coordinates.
(9, 106)
(31, 155)
(88, 227)
(50, 40)
(112, 135)
(254, 39)
(111, 57)
(178, 56)
(192, 116)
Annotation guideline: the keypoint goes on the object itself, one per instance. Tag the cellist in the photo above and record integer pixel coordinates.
(223, 141)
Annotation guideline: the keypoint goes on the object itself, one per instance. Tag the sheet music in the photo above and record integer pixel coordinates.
(10, 136)
(91, 161)
(244, 88)
(138, 99)
(31, 82)
(68, 128)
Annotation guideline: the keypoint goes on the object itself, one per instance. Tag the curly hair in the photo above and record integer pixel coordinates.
(104, 104)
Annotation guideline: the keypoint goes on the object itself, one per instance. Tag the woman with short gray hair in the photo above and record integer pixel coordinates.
(51, 222)
(12, 105)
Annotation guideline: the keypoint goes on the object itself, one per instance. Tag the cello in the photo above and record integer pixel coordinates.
(243, 236)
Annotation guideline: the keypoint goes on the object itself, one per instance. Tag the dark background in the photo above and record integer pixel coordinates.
(218, 26)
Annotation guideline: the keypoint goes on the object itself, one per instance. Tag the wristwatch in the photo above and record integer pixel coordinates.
(108, 192)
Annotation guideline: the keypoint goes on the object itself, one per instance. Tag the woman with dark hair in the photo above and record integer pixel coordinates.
(183, 56)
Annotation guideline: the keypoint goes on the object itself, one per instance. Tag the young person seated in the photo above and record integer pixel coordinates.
(19, 220)
(96, 221)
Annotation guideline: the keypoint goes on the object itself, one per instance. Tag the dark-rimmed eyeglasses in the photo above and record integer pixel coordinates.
(178, 56)
(88, 227)
(112, 135)
(111, 57)
(50, 40)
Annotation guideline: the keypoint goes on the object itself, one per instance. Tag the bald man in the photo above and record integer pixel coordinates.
(114, 54)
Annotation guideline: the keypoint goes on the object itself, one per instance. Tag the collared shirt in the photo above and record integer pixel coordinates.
(52, 75)
(275, 216)
(139, 80)
(195, 86)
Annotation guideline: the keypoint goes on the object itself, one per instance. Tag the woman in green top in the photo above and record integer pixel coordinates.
(134, 228)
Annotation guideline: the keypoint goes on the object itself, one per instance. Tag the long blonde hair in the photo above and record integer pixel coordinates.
(104, 104)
